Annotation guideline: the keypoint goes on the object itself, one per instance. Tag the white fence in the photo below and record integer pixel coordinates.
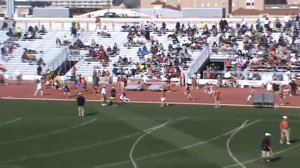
(114, 24)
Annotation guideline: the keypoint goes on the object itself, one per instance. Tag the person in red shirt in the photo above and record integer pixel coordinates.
(285, 130)
(228, 64)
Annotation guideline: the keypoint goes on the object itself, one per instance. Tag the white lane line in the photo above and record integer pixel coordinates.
(175, 150)
(9, 122)
(194, 145)
(148, 131)
(228, 145)
(144, 102)
(49, 133)
(83, 147)
(275, 153)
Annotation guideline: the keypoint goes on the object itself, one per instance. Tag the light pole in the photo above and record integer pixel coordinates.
(10, 9)
(108, 5)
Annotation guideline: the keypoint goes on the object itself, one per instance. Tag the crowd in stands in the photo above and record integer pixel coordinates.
(31, 33)
(155, 61)
(261, 50)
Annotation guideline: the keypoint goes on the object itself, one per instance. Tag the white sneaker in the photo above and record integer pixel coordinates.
(288, 143)
(281, 142)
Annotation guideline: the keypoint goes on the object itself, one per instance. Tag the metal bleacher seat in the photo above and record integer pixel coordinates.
(45, 47)
(133, 86)
(157, 86)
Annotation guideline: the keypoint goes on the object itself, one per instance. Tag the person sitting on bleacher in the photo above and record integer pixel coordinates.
(43, 30)
(140, 54)
(18, 32)
(28, 56)
(58, 42)
(278, 24)
(3, 68)
(30, 35)
(4, 25)
(93, 43)
(104, 32)
(109, 50)
(65, 40)
(78, 44)
(145, 50)
(115, 48)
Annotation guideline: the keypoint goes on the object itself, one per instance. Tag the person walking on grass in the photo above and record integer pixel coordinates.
(217, 94)
(285, 131)
(80, 103)
(39, 88)
(266, 150)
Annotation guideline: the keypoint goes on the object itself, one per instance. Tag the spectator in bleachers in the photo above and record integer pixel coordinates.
(4, 25)
(58, 42)
(39, 70)
(65, 40)
(15, 33)
(43, 30)
(145, 50)
(3, 68)
(73, 30)
(28, 56)
(278, 24)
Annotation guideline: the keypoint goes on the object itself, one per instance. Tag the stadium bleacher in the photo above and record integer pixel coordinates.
(219, 52)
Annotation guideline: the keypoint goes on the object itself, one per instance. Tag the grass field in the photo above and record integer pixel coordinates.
(49, 134)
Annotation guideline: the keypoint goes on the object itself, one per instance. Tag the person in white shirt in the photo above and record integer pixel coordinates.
(103, 93)
(269, 87)
(39, 88)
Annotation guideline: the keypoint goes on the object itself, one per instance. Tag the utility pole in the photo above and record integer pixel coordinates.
(10, 9)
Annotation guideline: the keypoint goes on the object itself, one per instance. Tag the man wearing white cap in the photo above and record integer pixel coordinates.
(285, 130)
(266, 147)
(80, 103)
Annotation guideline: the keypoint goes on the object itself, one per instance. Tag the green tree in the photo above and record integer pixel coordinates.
(132, 3)
(117, 2)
